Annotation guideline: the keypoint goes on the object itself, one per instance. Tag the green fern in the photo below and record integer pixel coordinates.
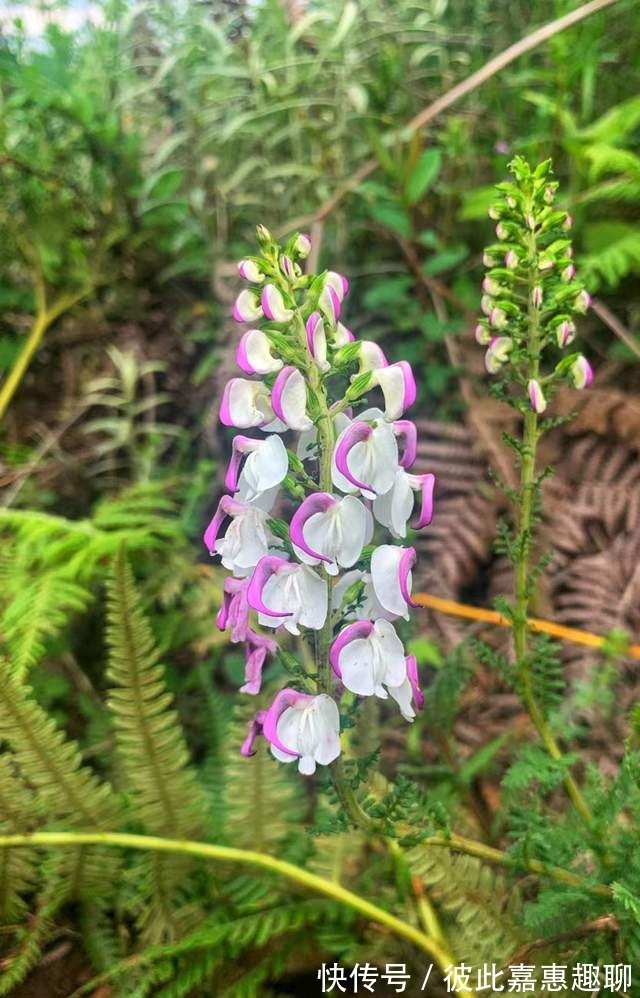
(151, 748)
(17, 866)
(484, 911)
(613, 252)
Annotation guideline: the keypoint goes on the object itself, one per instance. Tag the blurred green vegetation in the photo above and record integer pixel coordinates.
(136, 156)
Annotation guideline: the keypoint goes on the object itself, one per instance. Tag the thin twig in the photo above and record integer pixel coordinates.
(446, 100)
(614, 324)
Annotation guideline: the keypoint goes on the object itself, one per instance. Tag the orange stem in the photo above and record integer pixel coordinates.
(535, 623)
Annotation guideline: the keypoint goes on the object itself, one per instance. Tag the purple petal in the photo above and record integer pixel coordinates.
(228, 506)
(414, 679)
(225, 407)
(311, 326)
(231, 476)
(263, 571)
(407, 430)
(359, 629)
(407, 561)
(242, 359)
(410, 391)
(285, 698)
(255, 729)
(277, 391)
(427, 484)
(355, 433)
(319, 502)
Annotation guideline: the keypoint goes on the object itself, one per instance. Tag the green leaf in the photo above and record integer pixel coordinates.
(423, 174)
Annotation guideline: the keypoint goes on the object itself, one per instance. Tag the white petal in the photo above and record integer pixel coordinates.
(354, 522)
(306, 765)
(403, 695)
(258, 350)
(294, 402)
(391, 653)
(393, 509)
(267, 465)
(356, 665)
(386, 583)
(385, 448)
(314, 598)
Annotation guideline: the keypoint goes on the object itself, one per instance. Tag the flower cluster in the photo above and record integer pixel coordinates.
(530, 292)
(316, 574)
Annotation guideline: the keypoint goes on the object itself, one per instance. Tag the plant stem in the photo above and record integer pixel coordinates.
(226, 854)
(528, 487)
(43, 319)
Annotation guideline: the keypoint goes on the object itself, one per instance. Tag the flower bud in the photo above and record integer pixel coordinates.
(545, 262)
(302, 245)
(250, 271)
(511, 201)
(491, 286)
(511, 260)
(568, 273)
(497, 318)
(482, 334)
(494, 212)
(568, 222)
(264, 236)
(287, 267)
(488, 260)
(581, 372)
(536, 397)
(536, 296)
(502, 231)
(530, 220)
(565, 333)
(498, 353)
(549, 195)
(486, 304)
(582, 302)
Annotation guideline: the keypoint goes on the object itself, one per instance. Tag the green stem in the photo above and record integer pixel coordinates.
(227, 854)
(522, 566)
(44, 318)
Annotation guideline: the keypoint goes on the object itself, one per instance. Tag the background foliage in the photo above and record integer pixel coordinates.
(136, 155)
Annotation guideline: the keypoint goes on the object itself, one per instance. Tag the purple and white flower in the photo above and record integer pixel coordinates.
(245, 404)
(247, 307)
(498, 353)
(408, 695)
(581, 372)
(285, 593)
(365, 458)
(299, 727)
(273, 304)
(393, 508)
(317, 340)
(536, 396)
(331, 530)
(302, 245)
(289, 399)
(368, 656)
(234, 612)
(250, 271)
(253, 354)
(398, 388)
(247, 538)
(265, 465)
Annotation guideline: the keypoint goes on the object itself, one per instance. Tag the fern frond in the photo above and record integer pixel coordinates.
(50, 763)
(17, 866)
(38, 610)
(151, 748)
(483, 909)
(150, 741)
(613, 252)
